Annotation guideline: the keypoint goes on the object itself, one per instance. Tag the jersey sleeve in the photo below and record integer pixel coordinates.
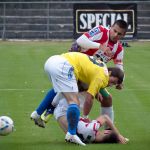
(95, 86)
(95, 33)
(85, 43)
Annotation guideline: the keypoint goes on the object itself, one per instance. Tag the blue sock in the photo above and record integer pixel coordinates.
(46, 102)
(73, 114)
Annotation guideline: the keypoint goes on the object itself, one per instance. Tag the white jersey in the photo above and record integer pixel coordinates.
(87, 131)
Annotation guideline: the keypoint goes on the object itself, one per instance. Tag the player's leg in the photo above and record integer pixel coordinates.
(73, 114)
(45, 104)
(64, 81)
(62, 121)
(106, 104)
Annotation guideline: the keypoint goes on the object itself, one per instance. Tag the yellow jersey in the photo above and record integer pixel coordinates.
(88, 72)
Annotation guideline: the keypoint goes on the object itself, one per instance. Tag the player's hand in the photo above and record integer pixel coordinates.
(119, 86)
(122, 140)
(75, 48)
(85, 119)
(106, 50)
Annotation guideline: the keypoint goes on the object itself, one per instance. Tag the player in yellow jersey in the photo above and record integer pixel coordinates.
(65, 70)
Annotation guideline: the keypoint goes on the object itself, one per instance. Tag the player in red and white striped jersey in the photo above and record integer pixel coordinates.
(104, 43)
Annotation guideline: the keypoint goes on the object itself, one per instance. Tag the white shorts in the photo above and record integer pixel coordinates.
(61, 74)
(62, 105)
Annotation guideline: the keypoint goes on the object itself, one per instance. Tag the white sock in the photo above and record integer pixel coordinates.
(108, 111)
(35, 115)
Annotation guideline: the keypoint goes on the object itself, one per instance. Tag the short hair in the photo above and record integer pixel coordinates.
(111, 138)
(122, 24)
(117, 72)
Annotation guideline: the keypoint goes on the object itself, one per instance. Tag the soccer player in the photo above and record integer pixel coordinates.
(104, 43)
(88, 131)
(65, 70)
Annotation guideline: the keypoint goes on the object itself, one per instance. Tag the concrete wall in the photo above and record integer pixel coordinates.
(54, 19)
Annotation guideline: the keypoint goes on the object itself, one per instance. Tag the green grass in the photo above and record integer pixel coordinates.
(23, 84)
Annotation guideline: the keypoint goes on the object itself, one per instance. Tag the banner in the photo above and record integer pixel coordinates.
(87, 16)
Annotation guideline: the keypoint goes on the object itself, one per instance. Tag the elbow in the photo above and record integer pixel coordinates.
(80, 41)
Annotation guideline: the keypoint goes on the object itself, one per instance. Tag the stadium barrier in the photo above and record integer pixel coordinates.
(54, 19)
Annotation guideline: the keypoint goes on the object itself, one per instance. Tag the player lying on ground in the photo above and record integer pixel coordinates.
(88, 131)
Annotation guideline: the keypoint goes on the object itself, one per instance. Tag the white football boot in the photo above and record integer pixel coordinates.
(37, 119)
(74, 139)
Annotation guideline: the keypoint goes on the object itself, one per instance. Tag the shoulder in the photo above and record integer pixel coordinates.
(96, 30)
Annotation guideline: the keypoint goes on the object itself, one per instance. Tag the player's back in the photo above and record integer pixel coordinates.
(85, 69)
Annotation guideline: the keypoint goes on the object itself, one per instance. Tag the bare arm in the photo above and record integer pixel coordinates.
(104, 119)
(87, 104)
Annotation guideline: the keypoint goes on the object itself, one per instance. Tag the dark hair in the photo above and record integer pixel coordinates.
(111, 138)
(122, 24)
(117, 72)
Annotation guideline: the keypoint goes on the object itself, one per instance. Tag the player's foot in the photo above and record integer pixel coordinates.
(47, 115)
(74, 139)
(37, 119)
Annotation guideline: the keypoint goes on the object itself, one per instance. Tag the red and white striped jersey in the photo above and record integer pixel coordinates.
(87, 131)
(101, 35)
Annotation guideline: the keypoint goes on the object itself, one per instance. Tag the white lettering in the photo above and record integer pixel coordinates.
(125, 18)
(98, 19)
(91, 20)
(83, 20)
(105, 18)
(113, 15)
(118, 16)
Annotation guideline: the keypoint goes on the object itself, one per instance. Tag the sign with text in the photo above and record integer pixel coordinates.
(87, 16)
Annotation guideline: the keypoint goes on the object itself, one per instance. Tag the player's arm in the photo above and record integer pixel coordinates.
(87, 104)
(94, 87)
(84, 42)
(75, 47)
(104, 119)
(87, 40)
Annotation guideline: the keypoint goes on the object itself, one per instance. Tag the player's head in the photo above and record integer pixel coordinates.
(118, 30)
(116, 76)
(110, 138)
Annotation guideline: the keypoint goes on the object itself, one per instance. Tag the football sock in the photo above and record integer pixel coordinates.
(108, 111)
(73, 114)
(46, 102)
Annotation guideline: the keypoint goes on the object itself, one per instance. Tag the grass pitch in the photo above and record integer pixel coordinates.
(23, 84)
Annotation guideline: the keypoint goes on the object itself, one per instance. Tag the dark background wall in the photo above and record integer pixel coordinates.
(53, 19)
